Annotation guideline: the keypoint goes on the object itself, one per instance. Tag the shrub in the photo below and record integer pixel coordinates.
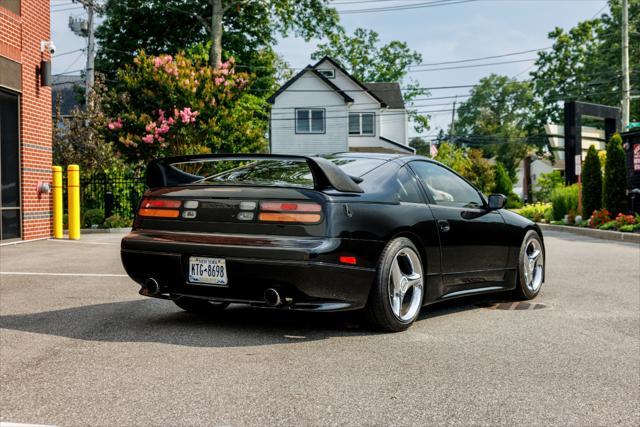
(629, 228)
(623, 219)
(615, 177)
(116, 221)
(599, 217)
(563, 200)
(547, 182)
(503, 184)
(610, 225)
(535, 211)
(591, 183)
(93, 217)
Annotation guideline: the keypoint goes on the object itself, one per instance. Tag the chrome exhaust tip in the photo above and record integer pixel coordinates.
(272, 297)
(151, 286)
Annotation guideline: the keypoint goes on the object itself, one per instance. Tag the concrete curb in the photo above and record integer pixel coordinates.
(104, 230)
(590, 232)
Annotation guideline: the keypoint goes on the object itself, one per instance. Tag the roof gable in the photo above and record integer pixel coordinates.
(353, 79)
(316, 73)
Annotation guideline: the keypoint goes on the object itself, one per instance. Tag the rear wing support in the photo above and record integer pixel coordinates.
(326, 175)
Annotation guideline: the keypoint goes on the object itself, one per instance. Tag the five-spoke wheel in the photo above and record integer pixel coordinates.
(398, 291)
(531, 266)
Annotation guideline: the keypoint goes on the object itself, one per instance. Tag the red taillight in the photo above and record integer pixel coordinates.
(160, 203)
(160, 208)
(348, 260)
(290, 207)
(304, 212)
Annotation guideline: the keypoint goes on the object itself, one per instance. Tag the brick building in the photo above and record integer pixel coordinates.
(25, 120)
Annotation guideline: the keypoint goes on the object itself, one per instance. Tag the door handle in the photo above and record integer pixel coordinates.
(443, 225)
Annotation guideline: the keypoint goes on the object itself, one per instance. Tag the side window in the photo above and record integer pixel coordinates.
(445, 187)
(408, 190)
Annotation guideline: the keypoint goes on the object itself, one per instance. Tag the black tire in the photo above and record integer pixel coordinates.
(379, 310)
(522, 290)
(200, 306)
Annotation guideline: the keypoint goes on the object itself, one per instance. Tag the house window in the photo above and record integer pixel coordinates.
(362, 124)
(330, 74)
(310, 120)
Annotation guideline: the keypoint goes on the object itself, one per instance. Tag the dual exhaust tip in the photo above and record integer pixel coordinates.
(271, 295)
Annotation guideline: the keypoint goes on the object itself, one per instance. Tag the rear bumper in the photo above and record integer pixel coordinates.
(305, 270)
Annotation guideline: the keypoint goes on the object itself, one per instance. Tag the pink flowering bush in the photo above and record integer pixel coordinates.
(173, 105)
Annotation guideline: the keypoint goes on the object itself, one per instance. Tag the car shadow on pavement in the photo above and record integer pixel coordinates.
(159, 321)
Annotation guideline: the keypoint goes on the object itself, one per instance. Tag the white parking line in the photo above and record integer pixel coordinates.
(33, 273)
(8, 424)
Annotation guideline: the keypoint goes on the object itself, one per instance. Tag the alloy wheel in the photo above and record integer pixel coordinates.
(533, 265)
(406, 284)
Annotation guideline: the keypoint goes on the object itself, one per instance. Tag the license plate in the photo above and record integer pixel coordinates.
(210, 271)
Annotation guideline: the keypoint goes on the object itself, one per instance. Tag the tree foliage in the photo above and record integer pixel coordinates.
(365, 59)
(497, 117)
(79, 139)
(546, 183)
(503, 184)
(591, 183)
(249, 32)
(166, 105)
(584, 64)
(469, 163)
(615, 177)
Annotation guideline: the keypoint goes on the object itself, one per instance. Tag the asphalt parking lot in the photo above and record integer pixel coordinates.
(79, 346)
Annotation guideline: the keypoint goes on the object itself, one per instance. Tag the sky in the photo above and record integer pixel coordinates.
(452, 32)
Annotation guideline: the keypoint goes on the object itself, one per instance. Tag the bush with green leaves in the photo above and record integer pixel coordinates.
(535, 211)
(591, 183)
(116, 221)
(546, 183)
(563, 201)
(615, 177)
(93, 217)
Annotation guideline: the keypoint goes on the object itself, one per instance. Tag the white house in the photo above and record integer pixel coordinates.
(323, 109)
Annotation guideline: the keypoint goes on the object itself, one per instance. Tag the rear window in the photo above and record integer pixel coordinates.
(276, 173)
(268, 172)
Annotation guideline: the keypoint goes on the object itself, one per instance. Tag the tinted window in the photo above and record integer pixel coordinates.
(408, 190)
(445, 187)
(356, 166)
(285, 173)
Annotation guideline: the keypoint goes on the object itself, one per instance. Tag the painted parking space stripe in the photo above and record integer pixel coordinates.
(33, 273)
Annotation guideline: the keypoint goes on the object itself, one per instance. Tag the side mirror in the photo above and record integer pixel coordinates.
(497, 201)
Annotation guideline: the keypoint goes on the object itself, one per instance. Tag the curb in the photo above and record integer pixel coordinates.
(104, 230)
(597, 234)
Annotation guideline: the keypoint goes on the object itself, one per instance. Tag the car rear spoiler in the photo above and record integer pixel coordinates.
(162, 173)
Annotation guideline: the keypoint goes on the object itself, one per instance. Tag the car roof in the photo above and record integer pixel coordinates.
(404, 158)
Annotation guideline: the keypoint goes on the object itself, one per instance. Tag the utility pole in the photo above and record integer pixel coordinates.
(86, 29)
(453, 121)
(626, 89)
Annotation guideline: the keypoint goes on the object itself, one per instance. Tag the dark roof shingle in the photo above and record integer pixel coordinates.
(390, 93)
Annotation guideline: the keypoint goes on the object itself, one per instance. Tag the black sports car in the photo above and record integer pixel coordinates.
(382, 232)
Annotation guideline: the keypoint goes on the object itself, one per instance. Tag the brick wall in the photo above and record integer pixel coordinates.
(20, 38)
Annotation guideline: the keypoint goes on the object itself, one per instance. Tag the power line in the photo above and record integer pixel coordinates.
(482, 58)
(474, 65)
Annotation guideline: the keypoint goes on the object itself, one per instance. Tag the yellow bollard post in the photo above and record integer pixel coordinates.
(57, 202)
(73, 191)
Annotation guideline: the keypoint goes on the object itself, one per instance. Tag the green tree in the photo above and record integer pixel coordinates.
(584, 64)
(79, 139)
(469, 163)
(503, 184)
(365, 59)
(497, 117)
(244, 29)
(546, 183)
(421, 146)
(165, 105)
(481, 172)
(591, 183)
(615, 177)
